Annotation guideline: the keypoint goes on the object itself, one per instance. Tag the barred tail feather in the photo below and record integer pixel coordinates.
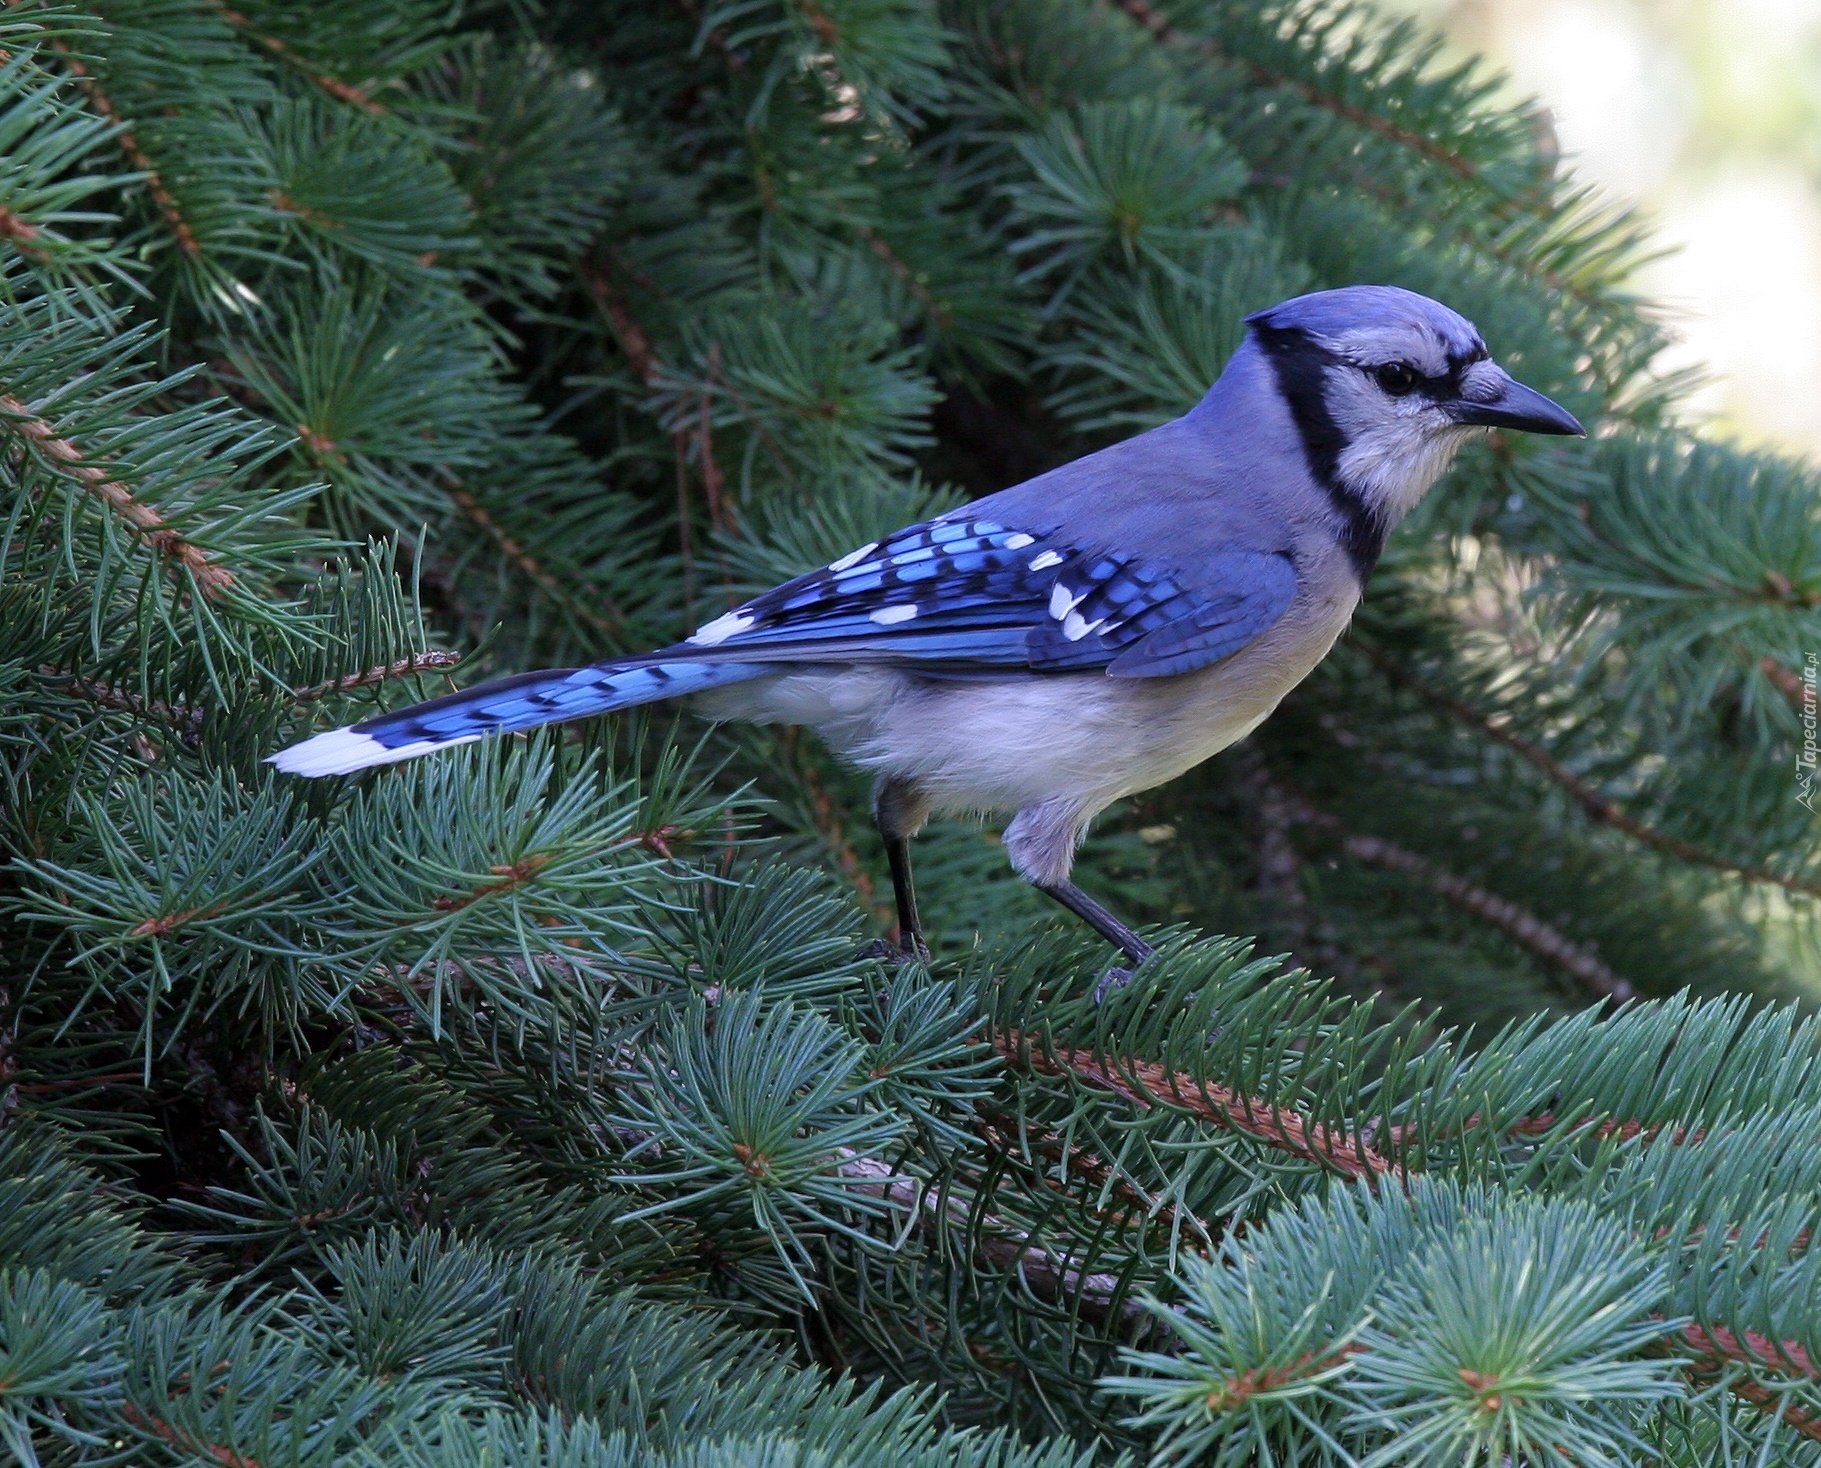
(523, 701)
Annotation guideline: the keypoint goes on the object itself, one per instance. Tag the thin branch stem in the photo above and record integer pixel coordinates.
(66, 458)
(1596, 806)
(1145, 1083)
(417, 662)
(334, 86)
(129, 144)
(608, 626)
(187, 722)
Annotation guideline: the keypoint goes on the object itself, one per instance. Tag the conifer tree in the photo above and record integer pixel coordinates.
(530, 1105)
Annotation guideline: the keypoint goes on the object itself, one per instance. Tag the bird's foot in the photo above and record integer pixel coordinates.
(1113, 978)
(912, 950)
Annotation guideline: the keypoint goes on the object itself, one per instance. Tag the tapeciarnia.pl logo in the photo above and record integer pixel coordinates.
(1805, 757)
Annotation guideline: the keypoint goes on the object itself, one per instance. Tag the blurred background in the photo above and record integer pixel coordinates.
(1707, 113)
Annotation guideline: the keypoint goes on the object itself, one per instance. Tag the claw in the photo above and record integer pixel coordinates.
(1113, 978)
(888, 952)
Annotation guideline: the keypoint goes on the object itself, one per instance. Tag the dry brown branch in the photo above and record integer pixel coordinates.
(145, 521)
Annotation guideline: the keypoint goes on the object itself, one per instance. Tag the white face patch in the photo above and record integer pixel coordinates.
(1396, 447)
(852, 558)
(1045, 561)
(719, 630)
(890, 616)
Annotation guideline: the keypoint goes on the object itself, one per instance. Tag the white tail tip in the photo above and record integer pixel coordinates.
(342, 751)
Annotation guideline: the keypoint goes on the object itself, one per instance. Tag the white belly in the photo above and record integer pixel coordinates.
(1007, 744)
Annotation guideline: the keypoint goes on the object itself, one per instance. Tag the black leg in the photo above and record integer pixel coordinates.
(904, 893)
(1109, 927)
(899, 809)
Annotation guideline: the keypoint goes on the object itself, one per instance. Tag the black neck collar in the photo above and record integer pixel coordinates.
(1300, 364)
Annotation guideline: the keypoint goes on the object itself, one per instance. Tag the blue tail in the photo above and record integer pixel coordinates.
(522, 701)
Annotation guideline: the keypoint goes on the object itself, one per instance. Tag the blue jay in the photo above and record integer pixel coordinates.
(1085, 635)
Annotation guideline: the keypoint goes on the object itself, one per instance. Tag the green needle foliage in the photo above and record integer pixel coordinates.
(531, 1105)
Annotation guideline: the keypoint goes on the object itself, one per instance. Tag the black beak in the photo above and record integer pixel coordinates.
(1519, 407)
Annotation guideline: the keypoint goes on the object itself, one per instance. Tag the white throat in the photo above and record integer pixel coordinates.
(1396, 448)
(1393, 464)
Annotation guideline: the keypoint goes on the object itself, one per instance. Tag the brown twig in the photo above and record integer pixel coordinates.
(342, 91)
(129, 144)
(829, 826)
(608, 626)
(631, 336)
(920, 292)
(1458, 163)
(1790, 684)
(1760, 1396)
(417, 662)
(516, 874)
(1160, 28)
(145, 521)
(1595, 805)
(23, 233)
(645, 361)
(77, 1083)
(182, 1441)
(187, 722)
(1236, 1391)
(997, 1242)
(1718, 1348)
(162, 923)
(1523, 928)
(1146, 1083)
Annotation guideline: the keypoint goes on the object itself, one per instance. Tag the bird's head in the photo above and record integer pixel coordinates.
(1385, 385)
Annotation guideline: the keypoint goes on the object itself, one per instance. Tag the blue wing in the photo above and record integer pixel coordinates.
(957, 595)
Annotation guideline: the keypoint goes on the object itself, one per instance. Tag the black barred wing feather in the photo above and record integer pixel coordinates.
(959, 596)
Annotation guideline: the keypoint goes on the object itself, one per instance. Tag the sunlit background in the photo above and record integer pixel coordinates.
(1708, 114)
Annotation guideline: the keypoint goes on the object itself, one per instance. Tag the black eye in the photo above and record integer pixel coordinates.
(1397, 378)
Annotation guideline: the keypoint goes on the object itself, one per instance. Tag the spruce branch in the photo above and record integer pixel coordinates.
(1718, 1350)
(336, 88)
(184, 1442)
(129, 144)
(417, 662)
(1146, 1084)
(1785, 681)
(1524, 928)
(1159, 26)
(65, 458)
(186, 722)
(465, 500)
(1593, 804)
(1528, 931)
